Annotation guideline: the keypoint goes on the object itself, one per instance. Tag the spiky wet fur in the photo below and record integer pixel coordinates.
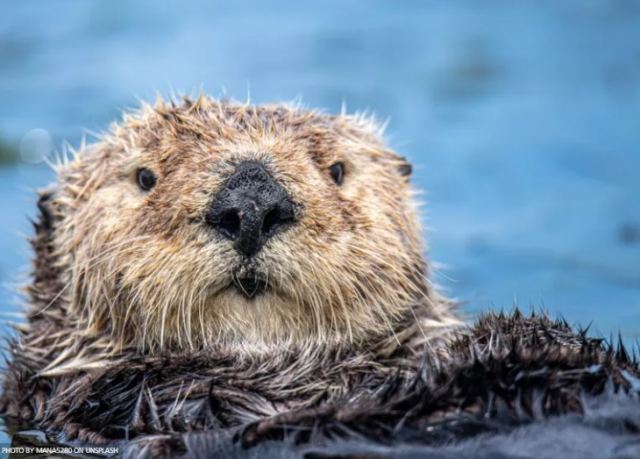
(506, 377)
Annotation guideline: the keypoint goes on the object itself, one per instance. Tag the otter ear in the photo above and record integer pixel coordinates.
(398, 163)
(404, 167)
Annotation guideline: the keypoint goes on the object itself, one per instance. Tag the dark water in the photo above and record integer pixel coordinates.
(523, 119)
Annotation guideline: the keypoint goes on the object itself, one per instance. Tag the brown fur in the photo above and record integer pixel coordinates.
(131, 288)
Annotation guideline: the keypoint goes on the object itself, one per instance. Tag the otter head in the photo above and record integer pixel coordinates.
(204, 223)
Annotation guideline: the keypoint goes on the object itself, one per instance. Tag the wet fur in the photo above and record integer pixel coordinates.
(129, 287)
(142, 270)
(116, 346)
(501, 384)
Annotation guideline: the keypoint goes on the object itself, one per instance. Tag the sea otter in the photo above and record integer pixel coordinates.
(229, 269)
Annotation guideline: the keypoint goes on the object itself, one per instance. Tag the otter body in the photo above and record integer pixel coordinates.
(213, 270)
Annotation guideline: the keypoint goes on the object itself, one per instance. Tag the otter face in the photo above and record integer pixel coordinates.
(207, 223)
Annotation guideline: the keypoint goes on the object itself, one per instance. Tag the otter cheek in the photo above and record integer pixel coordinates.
(109, 204)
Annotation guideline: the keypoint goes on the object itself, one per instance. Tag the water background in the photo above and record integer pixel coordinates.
(522, 119)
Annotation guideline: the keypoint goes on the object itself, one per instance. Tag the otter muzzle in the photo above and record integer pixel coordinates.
(250, 208)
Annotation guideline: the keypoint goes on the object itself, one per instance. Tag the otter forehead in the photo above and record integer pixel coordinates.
(207, 126)
(201, 222)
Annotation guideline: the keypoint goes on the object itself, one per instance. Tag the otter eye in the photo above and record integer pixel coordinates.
(146, 179)
(337, 173)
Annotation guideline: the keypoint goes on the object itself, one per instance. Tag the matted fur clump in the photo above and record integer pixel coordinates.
(511, 386)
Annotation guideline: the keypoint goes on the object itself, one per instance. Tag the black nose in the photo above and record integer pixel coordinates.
(250, 207)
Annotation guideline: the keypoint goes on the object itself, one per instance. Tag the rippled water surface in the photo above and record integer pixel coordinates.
(522, 118)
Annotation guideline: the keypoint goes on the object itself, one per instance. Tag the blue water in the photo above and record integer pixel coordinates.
(522, 118)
